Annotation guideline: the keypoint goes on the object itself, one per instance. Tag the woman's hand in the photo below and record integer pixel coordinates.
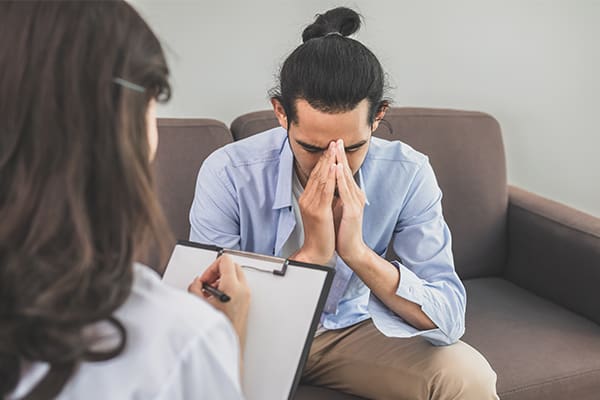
(229, 278)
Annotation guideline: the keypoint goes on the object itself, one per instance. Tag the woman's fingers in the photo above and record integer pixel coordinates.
(196, 288)
(228, 269)
(212, 273)
(240, 274)
(223, 268)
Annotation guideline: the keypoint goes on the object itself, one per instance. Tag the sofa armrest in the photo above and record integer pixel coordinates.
(554, 252)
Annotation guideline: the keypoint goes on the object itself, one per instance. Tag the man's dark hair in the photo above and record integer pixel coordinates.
(331, 71)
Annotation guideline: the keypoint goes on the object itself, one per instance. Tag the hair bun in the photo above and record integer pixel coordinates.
(342, 20)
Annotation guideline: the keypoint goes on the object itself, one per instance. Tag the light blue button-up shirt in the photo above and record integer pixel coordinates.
(243, 200)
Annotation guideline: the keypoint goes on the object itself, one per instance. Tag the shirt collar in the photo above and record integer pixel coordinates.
(283, 191)
(361, 183)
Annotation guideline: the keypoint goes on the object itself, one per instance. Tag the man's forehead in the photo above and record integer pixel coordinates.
(319, 128)
(319, 137)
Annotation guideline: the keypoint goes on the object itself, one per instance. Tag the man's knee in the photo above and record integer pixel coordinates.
(461, 372)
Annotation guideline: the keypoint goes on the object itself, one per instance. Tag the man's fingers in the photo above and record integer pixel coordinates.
(318, 168)
(325, 174)
(344, 172)
(341, 153)
(352, 193)
(329, 187)
(320, 174)
(328, 158)
(342, 184)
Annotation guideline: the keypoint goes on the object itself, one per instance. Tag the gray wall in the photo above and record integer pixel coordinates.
(534, 65)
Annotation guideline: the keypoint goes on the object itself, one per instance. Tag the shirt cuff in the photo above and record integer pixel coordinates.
(386, 321)
(410, 286)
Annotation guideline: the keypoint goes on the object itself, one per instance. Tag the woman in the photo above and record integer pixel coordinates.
(78, 318)
(320, 188)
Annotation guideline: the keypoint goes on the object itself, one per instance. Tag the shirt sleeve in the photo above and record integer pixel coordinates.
(214, 215)
(423, 244)
(207, 369)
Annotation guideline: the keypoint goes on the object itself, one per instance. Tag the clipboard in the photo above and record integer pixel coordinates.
(287, 299)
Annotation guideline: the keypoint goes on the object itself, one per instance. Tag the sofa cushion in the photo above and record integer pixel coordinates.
(538, 349)
(183, 145)
(466, 151)
(252, 123)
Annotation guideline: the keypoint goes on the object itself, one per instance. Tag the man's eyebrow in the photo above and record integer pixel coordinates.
(312, 147)
(355, 145)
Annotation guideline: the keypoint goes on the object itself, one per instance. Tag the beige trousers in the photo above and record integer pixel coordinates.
(362, 361)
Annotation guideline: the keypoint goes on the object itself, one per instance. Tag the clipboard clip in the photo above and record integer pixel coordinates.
(283, 263)
(283, 268)
(279, 270)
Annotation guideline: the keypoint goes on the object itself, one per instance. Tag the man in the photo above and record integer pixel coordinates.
(321, 189)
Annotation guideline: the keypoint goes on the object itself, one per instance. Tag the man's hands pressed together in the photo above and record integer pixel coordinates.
(348, 211)
(334, 224)
(317, 215)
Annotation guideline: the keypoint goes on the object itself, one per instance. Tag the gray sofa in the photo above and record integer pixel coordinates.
(531, 266)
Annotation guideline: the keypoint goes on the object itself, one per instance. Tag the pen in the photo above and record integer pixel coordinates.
(215, 292)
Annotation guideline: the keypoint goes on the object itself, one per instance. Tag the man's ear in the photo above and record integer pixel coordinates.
(383, 107)
(280, 113)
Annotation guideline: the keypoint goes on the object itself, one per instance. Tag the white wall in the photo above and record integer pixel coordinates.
(534, 65)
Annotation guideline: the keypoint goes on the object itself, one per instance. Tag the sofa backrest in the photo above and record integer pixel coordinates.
(183, 146)
(466, 151)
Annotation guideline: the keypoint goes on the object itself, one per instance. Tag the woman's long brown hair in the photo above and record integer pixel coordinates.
(77, 204)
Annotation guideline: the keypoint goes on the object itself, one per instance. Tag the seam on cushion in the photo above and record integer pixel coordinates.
(258, 120)
(547, 218)
(479, 116)
(454, 114)
(444, 115)
(550, 381)
(244, 126)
